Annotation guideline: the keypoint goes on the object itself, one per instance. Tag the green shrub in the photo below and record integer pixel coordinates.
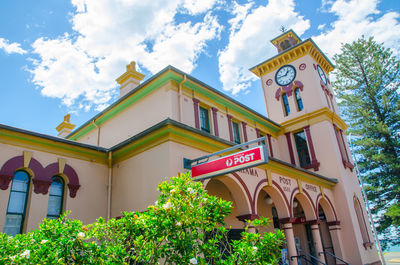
(185, 226)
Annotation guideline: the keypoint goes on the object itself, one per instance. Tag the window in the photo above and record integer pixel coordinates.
(298, 99)
(204, 120)
(343, 148)
(286, 107)
(285, 45)
(361, 220)
(302, 148)
(236, 134)
(17, 203)
(56, 193)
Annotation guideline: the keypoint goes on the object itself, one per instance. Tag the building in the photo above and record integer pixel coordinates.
(113, 162)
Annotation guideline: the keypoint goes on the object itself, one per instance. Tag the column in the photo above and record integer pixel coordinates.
(271, 152)
(289, 142)
(230, 127)
(215, 120)
(196, 113)
(334, 230)
(244, 132)
(251, 217)
(317, 241)
(290, 243)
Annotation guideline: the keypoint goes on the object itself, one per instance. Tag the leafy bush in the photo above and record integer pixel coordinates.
(185, 226)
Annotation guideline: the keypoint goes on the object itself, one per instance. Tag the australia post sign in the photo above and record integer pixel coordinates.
(223, 165)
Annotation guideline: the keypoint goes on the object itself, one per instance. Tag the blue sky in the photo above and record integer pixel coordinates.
(59, 57)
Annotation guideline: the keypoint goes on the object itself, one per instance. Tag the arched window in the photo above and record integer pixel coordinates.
(56, 196)
(361, 220)
(16, 209)
(284, 45)
(285, 104)
(298, 99)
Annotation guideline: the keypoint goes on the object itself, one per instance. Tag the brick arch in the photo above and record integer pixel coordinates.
(68, 173)
(277, 195)
(240, 193)
(327, 207)
(35, 170)
(306, 202)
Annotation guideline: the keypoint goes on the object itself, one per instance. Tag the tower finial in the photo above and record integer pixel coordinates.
(130, 79)
(65, 127)
(283, 29)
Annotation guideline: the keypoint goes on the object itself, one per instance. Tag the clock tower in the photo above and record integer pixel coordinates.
(295, 81)
(299, 96)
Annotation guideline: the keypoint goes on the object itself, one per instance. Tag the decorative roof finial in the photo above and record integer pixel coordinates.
(283, 29)
(65, 127)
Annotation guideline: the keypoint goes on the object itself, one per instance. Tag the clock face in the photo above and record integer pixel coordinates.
(285, 75)
(321, 74)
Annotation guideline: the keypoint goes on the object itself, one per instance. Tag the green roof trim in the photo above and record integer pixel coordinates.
(55, 145)
(167, 74)
(150, 139)
(122, 104)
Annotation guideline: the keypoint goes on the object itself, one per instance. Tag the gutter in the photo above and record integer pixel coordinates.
(109, 187)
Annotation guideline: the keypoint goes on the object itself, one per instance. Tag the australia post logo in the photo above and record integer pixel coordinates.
(239, 159)
(230, 163)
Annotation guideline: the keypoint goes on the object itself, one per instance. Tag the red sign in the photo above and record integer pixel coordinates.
(230, 163)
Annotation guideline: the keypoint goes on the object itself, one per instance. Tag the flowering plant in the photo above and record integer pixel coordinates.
(185, 226)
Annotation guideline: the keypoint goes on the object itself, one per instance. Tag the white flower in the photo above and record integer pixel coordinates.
(173, 191)
(191, 191)
(193, 261)
(167, 205)
(178, 223)
(12, 258)
(156, 203)
(255, 248)
(26, 254)
(81, 235)
(43, 241)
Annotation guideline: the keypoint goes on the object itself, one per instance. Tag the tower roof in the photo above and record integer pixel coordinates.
(301, 49)
(285, 35)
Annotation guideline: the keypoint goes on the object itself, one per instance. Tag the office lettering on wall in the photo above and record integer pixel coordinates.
(310, 187)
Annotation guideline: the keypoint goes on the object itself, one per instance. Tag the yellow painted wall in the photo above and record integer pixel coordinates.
(90, 200)
(153, 108)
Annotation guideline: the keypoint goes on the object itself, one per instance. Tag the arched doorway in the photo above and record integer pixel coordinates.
(271, 203)
(228, 188)
(305, 217)
(327, 215)
(325, 236)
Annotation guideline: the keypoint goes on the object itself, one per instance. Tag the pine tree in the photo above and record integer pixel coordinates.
(368, 87)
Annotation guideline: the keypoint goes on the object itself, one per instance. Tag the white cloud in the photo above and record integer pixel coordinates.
(357, 18)
(81, 68)
(65, 71)
(197, 7)
(249, 42)
(11, 47)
